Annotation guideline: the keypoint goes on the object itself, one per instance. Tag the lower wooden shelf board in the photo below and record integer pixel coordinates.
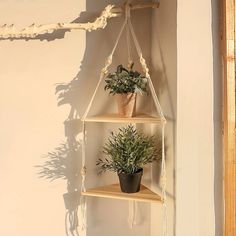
(113, 191)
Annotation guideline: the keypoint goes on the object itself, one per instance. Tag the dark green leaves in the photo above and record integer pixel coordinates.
(128, 151)
(125, 81)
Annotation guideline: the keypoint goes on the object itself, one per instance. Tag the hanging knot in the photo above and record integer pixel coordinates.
(164, 121)
(144, 66)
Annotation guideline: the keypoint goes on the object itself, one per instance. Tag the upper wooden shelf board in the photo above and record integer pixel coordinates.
(114, 118)
(113, 191)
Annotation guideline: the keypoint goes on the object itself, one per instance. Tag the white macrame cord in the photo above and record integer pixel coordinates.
(83, 203)
(132, 206)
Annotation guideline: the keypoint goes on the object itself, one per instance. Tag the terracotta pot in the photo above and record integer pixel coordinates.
(126, 103)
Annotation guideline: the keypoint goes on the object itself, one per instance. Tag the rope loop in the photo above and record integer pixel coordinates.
(127, 24)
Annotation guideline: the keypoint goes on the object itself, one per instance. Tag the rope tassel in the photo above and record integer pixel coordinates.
(132, 219)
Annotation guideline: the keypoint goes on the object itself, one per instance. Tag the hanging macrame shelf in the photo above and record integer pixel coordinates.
(113, 191)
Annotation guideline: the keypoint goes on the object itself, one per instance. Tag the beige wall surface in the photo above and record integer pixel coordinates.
(31, 122)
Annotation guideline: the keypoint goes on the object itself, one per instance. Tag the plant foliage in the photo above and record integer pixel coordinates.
(125, 81)
(128, 151)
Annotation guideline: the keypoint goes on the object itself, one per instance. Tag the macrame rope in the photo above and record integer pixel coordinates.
(104, 70)
(163, 183)
(132, 214)
(127, 16)
(133, 209)
(146, 71)
(156, 100)
(130, 61)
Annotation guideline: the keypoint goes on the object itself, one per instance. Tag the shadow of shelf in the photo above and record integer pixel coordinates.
(113, 191)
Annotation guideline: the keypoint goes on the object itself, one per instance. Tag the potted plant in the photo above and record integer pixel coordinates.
(125, 84)
(127, 152)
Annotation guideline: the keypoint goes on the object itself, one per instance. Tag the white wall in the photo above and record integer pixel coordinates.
(195, 123)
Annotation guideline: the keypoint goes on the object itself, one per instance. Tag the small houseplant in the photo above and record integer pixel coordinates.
(125, 84)
(127, 152)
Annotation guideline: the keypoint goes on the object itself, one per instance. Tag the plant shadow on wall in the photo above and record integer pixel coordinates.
(63, 163)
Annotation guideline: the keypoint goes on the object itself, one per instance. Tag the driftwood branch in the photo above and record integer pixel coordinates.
(11, 32)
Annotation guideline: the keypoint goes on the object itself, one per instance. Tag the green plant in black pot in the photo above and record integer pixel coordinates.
(127, 152)
(125, 84)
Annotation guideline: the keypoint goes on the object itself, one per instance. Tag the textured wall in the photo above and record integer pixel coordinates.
(195, 119)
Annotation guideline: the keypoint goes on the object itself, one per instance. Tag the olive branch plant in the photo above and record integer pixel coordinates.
(126, 81)
(129, 151)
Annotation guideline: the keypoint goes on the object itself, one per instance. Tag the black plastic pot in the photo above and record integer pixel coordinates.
(130, 183)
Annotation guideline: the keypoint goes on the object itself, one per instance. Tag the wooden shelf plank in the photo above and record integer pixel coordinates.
(115, 118)
(113, 191)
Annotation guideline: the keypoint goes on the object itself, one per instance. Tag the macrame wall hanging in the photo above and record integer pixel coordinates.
(111, 11)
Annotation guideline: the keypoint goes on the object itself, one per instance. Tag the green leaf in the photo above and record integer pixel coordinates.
(128, 150)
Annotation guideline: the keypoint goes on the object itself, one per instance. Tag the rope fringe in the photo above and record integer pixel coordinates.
(133, 211)
(163, 183)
